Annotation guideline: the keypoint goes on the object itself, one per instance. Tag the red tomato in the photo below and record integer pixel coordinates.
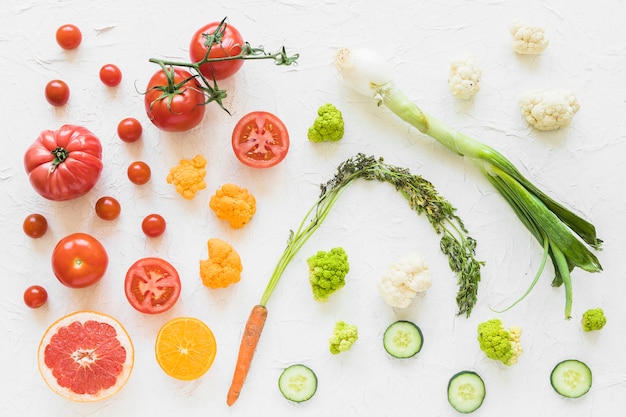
(174, 109)
(139, 172)
(129, 129)
(65, 163)
(35, 296)
(79, 260)
(260, 140)
(69, 36)
(57, 92)
(110, 75)
(152, 285)
(108, 208)
(231, 44)
(35, 225)
(153, 225)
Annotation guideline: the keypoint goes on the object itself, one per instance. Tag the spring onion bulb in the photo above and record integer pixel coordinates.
(566, 238)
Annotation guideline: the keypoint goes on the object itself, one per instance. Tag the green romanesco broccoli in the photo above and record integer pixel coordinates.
(328, 126)
(327, 272)
(499, 343)
(343, 337)
(593, 319)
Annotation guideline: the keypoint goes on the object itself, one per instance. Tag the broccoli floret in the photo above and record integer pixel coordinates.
(343, 337)
(328, 126)
(327, 272)
(593, 319)
(499, 343)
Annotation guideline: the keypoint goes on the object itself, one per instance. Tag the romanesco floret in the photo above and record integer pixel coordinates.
(465, 75)
(499, 343)
(343, 337)
(328, 126)
(593, 319)
(327, 272)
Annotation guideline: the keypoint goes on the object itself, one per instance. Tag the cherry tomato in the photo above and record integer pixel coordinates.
(260, 140)
(129, 129)
(79, 260)
(35, 225)
(108, 208)
(110, 75)
(69, 36)
(152, 285)
(174, 110)
(153, 225)
(35, 296)
(231, 44)
(57, 92)
(139, 172)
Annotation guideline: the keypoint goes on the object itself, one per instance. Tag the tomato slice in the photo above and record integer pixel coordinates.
(260, 140)
(152, 285)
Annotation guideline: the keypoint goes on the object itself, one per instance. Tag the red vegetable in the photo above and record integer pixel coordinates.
(230, 45)
(260, 140)
(57, 92)
(79, 260)
(65, 163)
(69, 36)
(152, 285)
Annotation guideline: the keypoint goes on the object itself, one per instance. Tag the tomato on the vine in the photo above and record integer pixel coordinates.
(152, 285)
(35, 225)
(153, 225)
(110, 75)
(231, 45)
(260, 140)
(79, 260)
(65, 163)
(108, 208)
(171, 108)
(139, 172)
(35, 296)
(69, 36)
(57, 92)
(129, 129)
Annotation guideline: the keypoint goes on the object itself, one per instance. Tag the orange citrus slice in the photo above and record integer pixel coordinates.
(86, 356)
(185, 348)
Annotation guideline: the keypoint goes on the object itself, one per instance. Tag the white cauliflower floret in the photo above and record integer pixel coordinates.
(465, 74)
(404, 280)
(549, 109)
(528, 40)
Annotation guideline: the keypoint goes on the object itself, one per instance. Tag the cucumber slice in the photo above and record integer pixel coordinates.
(466, 391)
(297, 383)
(403, 339)
(571, 378)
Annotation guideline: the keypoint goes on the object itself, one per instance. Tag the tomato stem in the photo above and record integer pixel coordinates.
(60, 155)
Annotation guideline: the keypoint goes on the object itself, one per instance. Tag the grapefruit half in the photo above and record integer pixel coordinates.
(86, 356)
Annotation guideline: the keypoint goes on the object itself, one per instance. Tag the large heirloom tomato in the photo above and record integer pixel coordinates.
(230, 45)
(79, 260)
(65, 163)
(174, 109)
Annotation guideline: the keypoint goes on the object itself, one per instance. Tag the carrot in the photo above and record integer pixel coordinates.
(249, 341)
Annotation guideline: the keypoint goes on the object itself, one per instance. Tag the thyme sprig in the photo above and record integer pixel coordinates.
(422, 196)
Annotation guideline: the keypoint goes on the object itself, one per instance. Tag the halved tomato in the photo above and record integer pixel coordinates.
(152, 285)
(260, 140)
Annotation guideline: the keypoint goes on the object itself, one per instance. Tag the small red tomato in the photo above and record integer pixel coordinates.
(231, 44)
(57, 92)
(260, 140)
(108, 208)
(139, 172)
(35, 225)
(110, 75)
(79, 260)
(69, 36)
(129, 129)
(35, 296)
(153, 225)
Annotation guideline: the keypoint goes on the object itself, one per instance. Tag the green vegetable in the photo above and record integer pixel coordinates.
(466, 391)
(327, 272)
(297, 383)
(403, 339)
(343, 337)
(593, 319)
(562, 233)
(328, 126)
(571, 378)
(422, 196)
(499, 343)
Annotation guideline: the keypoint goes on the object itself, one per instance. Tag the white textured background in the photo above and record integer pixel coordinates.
(581, 166)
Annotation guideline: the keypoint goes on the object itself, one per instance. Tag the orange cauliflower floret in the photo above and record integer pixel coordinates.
(233, 204)
(223, 266)
(188, 176)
